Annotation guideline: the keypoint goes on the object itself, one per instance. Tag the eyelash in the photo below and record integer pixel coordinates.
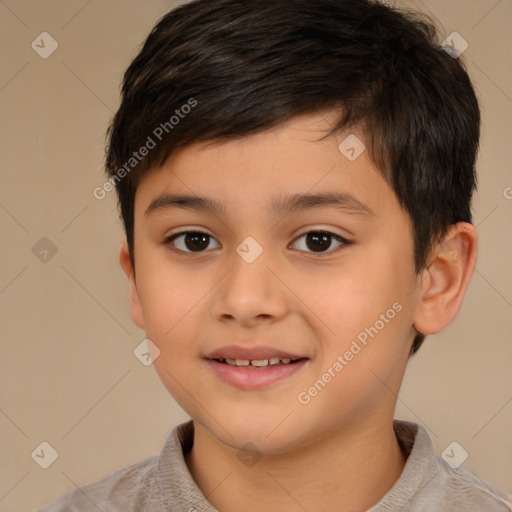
(169, 240)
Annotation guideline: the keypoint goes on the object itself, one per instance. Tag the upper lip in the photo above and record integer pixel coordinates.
(261, 352)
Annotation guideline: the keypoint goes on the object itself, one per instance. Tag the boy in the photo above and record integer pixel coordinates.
(295, 181)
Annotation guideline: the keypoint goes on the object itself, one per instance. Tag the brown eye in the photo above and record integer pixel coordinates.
(320, 241)
(190, 241)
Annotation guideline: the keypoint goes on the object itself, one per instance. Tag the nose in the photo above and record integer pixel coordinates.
(250, 293)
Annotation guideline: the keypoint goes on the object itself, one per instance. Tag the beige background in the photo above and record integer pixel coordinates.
(68, 375)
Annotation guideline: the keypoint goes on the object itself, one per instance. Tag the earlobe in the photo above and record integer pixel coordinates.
(445, 281)
(135, 303)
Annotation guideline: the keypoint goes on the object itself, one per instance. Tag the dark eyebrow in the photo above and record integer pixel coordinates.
(184, 202)
(343, 202)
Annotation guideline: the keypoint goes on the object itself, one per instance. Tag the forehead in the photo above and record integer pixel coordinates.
(277, 170)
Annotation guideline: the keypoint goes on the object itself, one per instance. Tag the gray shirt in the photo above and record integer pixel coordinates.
(162, 483)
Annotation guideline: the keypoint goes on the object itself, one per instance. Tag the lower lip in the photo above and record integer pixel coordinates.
(248, 378)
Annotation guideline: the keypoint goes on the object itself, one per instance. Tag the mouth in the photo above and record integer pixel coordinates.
(253, 369)
(260, 364)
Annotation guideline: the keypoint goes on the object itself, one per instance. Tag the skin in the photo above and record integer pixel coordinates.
(339, 450)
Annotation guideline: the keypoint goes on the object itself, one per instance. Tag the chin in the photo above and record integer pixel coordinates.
(268, 433)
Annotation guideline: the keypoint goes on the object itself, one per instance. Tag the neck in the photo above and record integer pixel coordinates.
(349, 470)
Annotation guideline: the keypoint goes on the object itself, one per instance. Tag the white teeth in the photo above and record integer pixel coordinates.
(257, 363)
(238, 362)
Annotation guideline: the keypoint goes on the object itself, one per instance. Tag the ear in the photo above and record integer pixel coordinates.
(445, 280)
(129, 270)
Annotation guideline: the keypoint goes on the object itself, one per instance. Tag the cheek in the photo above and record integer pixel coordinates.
(348, 299)
(363, 310)
(166, 289)
(168, 300)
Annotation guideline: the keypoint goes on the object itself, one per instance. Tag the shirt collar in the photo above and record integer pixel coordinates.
(181, 493)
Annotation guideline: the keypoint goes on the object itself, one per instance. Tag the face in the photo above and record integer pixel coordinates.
(280, 290)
